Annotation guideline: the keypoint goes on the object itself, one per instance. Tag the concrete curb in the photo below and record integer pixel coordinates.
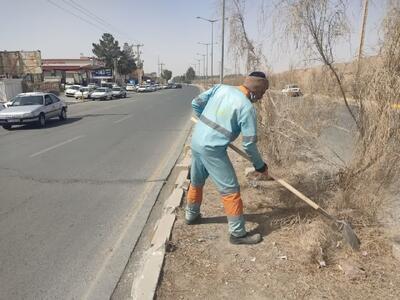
(145, 284)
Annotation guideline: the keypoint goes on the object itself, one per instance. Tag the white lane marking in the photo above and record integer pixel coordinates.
(56, 146)
(122, 119)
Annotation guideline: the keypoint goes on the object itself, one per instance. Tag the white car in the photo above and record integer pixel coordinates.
(151, 88)
(141, 89)
(291, 90)
(33, 108)
(92, 86)
(130, 87)
(70, 91)
(84, 92)
(102, 94)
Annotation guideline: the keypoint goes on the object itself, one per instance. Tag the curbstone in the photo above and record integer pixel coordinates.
(186, 161)
(173, 201)
(145, 284)
(163, 230)
(181, 179)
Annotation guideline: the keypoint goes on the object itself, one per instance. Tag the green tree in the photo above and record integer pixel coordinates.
(107, 50)
(190, 74)
(166, 74)
(126, 62)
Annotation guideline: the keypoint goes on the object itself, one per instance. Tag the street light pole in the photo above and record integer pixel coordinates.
(198, 66)
(212, 52)
(212, 44)
(206, 44)
(204, 66)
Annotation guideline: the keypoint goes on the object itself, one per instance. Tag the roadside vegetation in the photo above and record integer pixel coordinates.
(338, 144)
(368, 90)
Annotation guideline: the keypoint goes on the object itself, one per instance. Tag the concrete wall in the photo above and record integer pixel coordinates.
(9, 88)
(20, 63)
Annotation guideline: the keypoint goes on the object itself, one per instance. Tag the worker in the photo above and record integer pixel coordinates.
(224, 112)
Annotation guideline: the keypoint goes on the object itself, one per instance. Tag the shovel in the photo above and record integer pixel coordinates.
(348, 233)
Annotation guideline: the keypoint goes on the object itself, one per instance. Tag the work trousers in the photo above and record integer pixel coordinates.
(218, 166)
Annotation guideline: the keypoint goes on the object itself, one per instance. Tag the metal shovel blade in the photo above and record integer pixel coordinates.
(349, 235)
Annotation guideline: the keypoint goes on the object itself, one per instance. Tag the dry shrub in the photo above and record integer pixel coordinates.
(377, 161)
(317, 239)
(290, 129)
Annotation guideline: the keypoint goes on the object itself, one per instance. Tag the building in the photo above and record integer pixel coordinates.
(25, 65)
(74, 70)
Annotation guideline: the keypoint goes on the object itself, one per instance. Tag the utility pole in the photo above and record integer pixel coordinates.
(158, 67)
(221, 73)
(161, 68)
(139, 61)
(362, 38)
(115, 69)
(362, 30)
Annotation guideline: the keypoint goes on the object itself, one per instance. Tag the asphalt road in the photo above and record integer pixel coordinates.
(75, 195)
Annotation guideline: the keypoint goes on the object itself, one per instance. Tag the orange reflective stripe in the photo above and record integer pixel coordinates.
(233, 204)
(244, 90)
(195, 194)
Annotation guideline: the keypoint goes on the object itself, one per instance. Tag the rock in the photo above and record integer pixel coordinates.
(322, 264)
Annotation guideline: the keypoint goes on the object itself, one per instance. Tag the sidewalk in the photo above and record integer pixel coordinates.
(287, 264)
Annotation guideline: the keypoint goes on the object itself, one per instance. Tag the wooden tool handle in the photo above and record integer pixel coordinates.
(280, 181)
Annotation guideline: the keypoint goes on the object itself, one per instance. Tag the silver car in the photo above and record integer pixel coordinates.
(102, 94)
(33, 107)
(118, 92)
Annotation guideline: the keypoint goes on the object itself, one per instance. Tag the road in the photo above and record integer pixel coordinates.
(74, 196)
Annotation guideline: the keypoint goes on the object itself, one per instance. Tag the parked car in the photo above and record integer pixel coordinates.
(92, 86)
(150, 88)
(178, 86)
(84, 92)
(141, 89)
(130, 87)
(102, 94)
(118, 92)
(33, 107)
(109, 85)
(292, 90)
(70, 91)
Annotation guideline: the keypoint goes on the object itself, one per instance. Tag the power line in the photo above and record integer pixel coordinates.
(77, 16)
(92, 15)
(89, 13)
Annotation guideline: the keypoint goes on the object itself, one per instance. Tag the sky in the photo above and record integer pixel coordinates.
(168, 30)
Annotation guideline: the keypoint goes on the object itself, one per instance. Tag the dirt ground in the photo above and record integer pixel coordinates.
(301, 256)
(202, 264)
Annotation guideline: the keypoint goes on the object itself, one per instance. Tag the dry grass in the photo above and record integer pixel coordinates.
(376, 166)
(317, 241)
